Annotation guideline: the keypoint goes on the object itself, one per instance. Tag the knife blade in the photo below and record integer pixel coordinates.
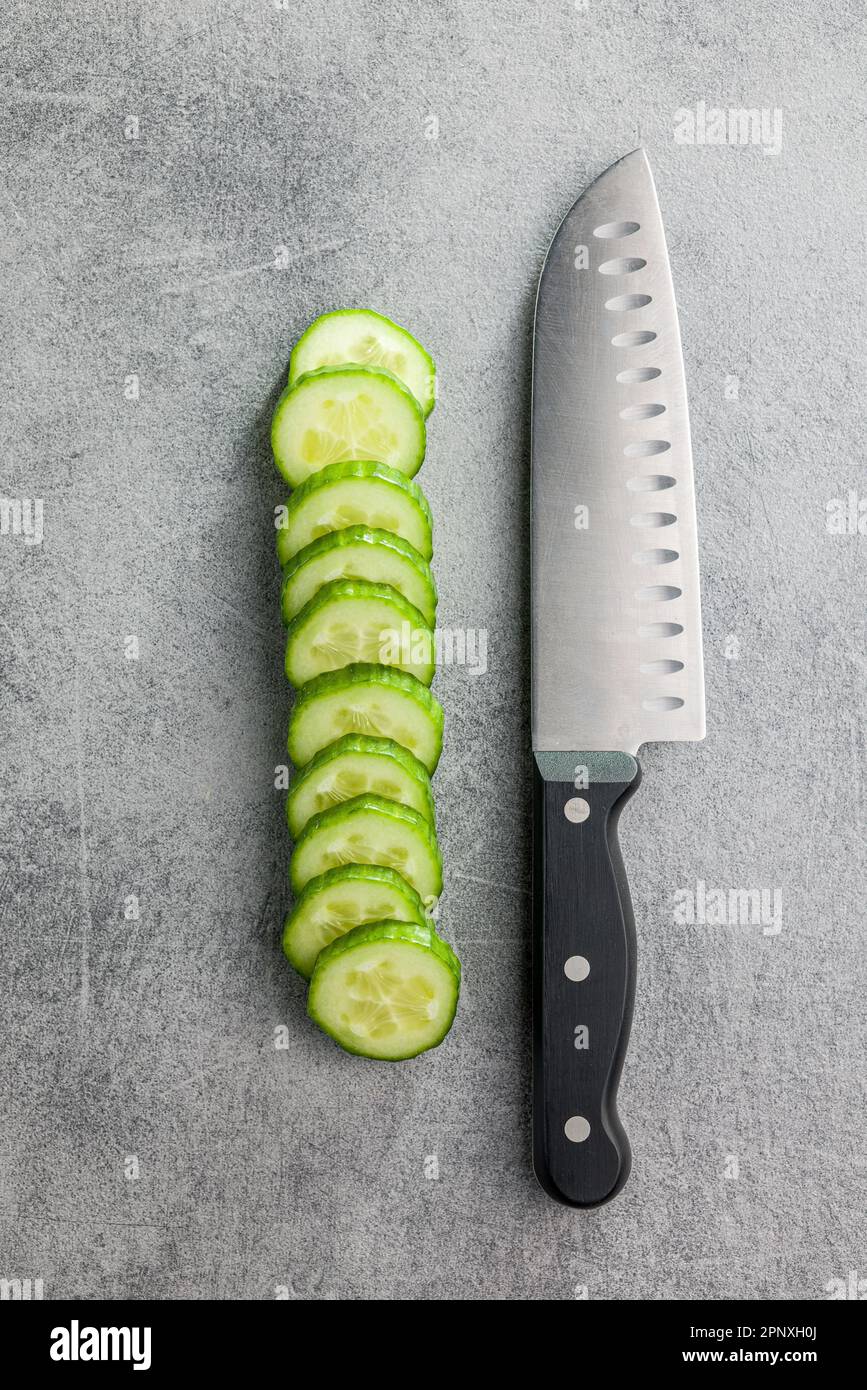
(616, 643)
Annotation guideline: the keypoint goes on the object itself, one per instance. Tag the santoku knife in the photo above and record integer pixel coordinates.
(616, 644)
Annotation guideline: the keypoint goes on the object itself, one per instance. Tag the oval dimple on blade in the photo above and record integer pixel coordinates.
(615, 231)
(622, 265)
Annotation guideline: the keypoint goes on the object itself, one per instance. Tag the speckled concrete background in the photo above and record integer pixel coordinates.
(268, 1170)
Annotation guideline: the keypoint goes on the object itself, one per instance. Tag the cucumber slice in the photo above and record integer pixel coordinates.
(341, 899)
(370, 830)
(354, 765)
(370, 339)
(360, 492)
(376, 700)
(341, 413)
(387, 990)
(359, 552)
(349, 621)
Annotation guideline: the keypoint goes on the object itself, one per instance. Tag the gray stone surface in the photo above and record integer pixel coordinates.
(306, 127)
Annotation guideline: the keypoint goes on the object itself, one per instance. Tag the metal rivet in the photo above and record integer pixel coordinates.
(577, 968)
(576, 810)
(576, 1129)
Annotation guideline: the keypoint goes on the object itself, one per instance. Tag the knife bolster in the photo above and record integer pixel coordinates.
(590, 767)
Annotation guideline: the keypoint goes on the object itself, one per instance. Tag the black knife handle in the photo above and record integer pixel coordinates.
(583, 988)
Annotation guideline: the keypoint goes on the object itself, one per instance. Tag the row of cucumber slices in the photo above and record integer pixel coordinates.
(359, 602)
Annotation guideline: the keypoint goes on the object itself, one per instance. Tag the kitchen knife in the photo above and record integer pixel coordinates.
(616, 645)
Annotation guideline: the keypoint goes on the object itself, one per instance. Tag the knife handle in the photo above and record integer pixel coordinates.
(583, 988)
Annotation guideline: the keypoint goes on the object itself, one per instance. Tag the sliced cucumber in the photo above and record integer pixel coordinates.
(359, 552)
(341, 899)
(352, 766)
(349, 621)
(362, 336)
(360, 492)
(370, 830)
(387, 990)
(376, 700)
(341, 413)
